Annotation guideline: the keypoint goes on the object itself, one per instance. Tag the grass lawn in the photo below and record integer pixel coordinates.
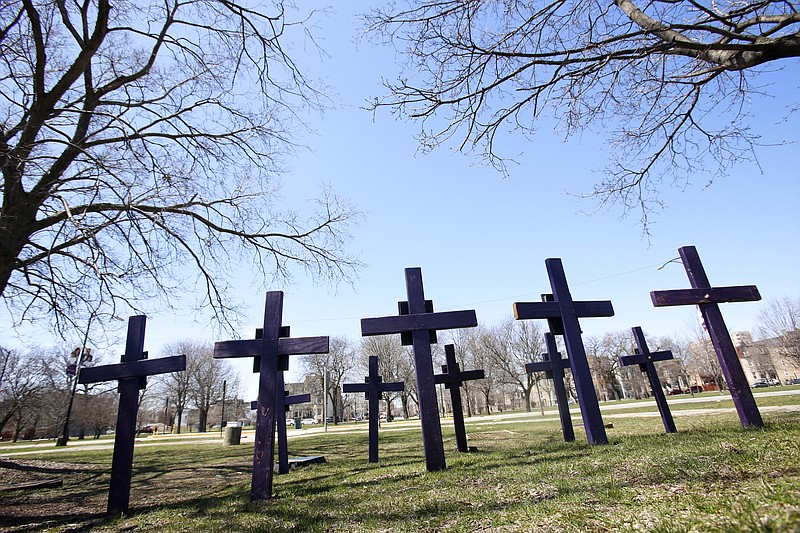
(710, 476)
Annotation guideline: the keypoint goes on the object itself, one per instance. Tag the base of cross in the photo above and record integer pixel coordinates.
(33, 485)
(304, 461)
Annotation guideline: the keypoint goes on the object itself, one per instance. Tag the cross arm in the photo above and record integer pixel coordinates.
(541, 310)
(286, 346)
(546, 366)
(542, 366)
(133, 369)
(391, 386)
(423, 321)
(469, 375)
(355, 387)
(466, 375)
(640, 359)
(298, 398)
(629, 360)
(744, 293)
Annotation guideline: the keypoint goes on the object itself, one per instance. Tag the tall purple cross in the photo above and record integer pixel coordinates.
(706, 298)
(282, 402)
(553, 366)
(372, 388)
(417, 325)
(273, 351)
(562, 313)
(132, 375)
(645, 359)
(453, 378)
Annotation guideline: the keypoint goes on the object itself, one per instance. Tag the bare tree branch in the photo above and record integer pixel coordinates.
(141, 145)
(666, 82)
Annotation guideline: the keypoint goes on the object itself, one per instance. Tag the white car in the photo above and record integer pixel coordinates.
(309, 421)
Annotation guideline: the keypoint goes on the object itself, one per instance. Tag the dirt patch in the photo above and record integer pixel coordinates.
(80, 504)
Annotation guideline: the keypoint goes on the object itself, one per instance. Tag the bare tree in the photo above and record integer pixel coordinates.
(207, 376)
(781, 319)
(395, 363)
(140, 146)
(702, 358)
(98, 412)
(20, 390)
(339, 363)
(176, 386)
(673, 371)
(657, 76)
(511, 344)
(604, 354)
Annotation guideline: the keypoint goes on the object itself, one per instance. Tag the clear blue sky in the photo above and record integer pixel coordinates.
(481, 239)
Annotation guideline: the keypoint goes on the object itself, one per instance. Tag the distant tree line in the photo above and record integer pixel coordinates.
(502, 350)
(35, 385)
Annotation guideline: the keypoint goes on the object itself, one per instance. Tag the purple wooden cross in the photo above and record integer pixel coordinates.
(271, 349)
(372, 388)
(553, 366)
(562, 313)
(420, 323)
(706, 298)
(453, 378)
(645, 359)
(282, 402)
(132, 374)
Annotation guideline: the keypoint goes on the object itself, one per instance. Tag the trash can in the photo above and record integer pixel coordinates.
(298, 423)
(233, 436)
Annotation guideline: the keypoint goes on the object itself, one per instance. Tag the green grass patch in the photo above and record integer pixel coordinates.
(710, 476)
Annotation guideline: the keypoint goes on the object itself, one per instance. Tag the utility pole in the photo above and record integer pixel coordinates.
(222, 420)
(62, 440)
(325, 397)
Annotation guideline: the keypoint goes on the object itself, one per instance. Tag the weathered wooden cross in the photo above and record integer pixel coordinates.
(282, 402)
(452, 378)
(417, 325)
(372, 388)
(706, 298)
(132, 375)
(553, 366)
(273, 351)
(645, 359)
(562, 314)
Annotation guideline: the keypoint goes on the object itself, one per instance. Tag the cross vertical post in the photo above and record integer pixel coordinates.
(132, 375)
(272, 351)
(282, 402)
(372, 388)
(645, 359)
(280, 420)
(563, 313)
(553, 366)
(418, 321)
(707, 299)
(452, 378)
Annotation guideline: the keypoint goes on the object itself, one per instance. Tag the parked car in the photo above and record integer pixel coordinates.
(290, 421)
(795, 381)
(759, 384)
(309, 421)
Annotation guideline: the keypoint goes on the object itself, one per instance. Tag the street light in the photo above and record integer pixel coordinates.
(673, 260)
